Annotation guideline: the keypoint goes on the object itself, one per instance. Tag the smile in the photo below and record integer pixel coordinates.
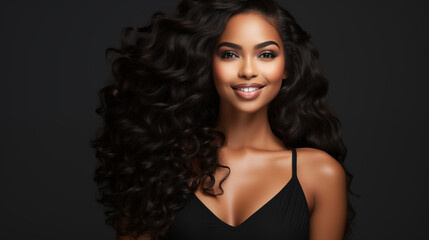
(250, 89)
(248, 93)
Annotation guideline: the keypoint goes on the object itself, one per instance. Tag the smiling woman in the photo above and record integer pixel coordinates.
(217, 127)
(249, 63)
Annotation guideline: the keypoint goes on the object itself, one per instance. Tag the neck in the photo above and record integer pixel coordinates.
(245, 130)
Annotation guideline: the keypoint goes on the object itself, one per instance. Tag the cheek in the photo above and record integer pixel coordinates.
(274, 72)
(222, 73)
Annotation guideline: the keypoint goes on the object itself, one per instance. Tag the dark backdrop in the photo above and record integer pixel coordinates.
(375, 54)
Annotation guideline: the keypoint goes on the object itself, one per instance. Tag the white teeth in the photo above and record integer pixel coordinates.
(250, 89)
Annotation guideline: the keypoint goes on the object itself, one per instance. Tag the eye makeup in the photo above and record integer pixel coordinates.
(228, 54)
(268, 54)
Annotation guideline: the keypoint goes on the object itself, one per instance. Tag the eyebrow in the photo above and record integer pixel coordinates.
(258, 46)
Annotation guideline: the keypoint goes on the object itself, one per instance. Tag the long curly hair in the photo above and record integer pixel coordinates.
(158, 144)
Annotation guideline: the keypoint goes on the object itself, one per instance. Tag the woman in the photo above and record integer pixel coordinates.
(217, 127)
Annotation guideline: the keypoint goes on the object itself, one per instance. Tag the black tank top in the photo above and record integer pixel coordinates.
(285, 217)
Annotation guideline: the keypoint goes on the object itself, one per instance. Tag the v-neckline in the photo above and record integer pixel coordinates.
(252, 215)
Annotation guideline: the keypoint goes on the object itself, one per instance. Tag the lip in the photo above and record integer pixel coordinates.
(245, 85)
(249, 95)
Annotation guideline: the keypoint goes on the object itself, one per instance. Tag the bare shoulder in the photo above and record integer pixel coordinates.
(318, 170)
(323, 179)
(319, 163)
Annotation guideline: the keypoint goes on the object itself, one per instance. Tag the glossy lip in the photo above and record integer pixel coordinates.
(249, 95)
(245, 85)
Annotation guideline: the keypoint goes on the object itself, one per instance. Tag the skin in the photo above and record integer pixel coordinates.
(260, 164)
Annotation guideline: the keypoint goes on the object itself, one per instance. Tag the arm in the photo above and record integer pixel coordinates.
(329, 216)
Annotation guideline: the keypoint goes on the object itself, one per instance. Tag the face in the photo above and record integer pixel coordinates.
(248, 63)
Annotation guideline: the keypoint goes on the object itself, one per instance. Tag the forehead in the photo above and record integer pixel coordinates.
(249, 29)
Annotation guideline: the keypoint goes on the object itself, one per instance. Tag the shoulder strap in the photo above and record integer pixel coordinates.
(293, 162)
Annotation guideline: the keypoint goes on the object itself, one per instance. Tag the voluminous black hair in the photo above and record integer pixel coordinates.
(159, 113)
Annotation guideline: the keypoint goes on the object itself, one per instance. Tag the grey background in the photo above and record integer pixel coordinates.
(374, 53)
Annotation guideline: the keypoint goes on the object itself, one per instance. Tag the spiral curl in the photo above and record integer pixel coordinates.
(158, 143)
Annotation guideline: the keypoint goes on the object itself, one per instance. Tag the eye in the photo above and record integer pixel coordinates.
(267, 55)
(228, 54)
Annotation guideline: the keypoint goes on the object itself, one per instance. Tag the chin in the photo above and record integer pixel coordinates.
(249, 108)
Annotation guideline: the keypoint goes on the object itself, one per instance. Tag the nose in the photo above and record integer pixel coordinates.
(247, 69)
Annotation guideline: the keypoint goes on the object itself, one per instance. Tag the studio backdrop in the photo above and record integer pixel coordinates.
(374, 54)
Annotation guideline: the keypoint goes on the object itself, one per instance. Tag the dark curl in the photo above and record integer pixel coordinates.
(158, 142)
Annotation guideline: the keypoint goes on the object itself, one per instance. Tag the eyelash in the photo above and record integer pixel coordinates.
(224, 54)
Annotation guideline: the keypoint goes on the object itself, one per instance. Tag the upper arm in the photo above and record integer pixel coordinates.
(329, 216)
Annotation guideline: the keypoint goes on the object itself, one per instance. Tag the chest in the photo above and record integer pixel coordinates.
(262, 199)
(248, 188)
(284, 216)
